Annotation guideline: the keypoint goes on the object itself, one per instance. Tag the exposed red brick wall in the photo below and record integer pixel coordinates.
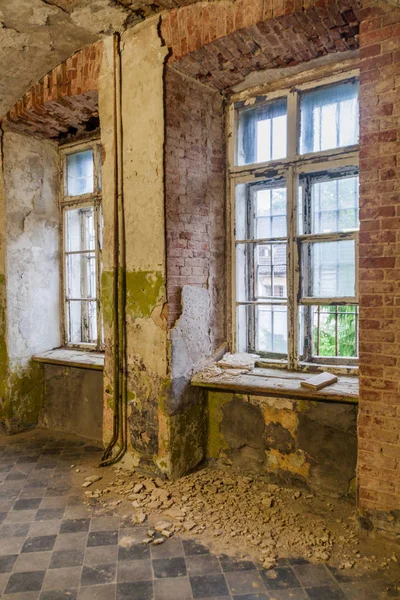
(195, 197)
(66, 97)
(379, 408)
(189, 28)
(284, 41)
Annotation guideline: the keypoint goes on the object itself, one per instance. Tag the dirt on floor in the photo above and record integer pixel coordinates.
(245, 516)
(235, 514)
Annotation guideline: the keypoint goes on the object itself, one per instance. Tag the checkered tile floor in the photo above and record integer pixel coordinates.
(53, 547)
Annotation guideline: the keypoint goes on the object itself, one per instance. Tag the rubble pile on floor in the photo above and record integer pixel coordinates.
(234, 512)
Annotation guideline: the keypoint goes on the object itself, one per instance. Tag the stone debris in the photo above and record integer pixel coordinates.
(236, 513)
(239, 360)
(90, 480)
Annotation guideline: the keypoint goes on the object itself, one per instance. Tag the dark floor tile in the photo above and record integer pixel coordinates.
(27, 504)
(325, 592)
(191, 547)
(16, 476)
(49, 514)
(45, 465)
(232, 564)
(134, 552)
(313, 575)
(59, 595)
(4, 468)
(25, 582)
(202, 565)
(102, 538)
(244, 582)
(280, 578)
(28, 459)
(138, 590)
(39, 543)
(209, 586)
(299, 561)
(3, 515)
(74, 525)
(7, 563)
(169, 567)
(67, 558)
(98, 575)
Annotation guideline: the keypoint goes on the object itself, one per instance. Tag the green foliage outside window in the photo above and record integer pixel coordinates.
(342, 318)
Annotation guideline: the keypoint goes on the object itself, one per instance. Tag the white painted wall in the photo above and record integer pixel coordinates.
(32, 233)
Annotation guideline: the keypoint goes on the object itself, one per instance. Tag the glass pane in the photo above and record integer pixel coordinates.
(332, 269)
(81, 275)
(262, 133)
(270, 271)
(260, 271)
(79, 229)
(270, 213)
(334, 205)
(334, 330)
(80, 173)
(81, 322)
(241, 328)
(271, 329)
(329, 117)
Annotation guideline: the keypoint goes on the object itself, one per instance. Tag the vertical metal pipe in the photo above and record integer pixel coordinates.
(119, 280)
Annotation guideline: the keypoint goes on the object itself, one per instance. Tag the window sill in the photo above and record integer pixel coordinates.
(275, 382)
(72, 358)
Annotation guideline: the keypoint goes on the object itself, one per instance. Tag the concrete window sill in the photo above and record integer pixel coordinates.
(275, 382)
(72, 358)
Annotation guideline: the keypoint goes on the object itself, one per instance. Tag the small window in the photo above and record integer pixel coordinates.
(80, 173)
(329, 117)
(262, 133)
(296, 227)
(82, 225)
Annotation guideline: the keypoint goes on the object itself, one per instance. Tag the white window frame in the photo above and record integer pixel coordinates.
(290, 168)
(92, 200)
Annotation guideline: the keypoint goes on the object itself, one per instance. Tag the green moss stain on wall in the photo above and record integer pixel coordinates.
(27, 392)
(107, 301)
(144, 290)
(23, 398)
(216, 441)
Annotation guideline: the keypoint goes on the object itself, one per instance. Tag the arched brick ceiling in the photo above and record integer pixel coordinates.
(284, 41)
(64, 102)
(37, 35)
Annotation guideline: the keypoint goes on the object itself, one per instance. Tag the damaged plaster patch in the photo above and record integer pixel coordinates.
(100, 16)
(190, 338)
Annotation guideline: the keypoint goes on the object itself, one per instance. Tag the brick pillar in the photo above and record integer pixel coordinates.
(379, 410)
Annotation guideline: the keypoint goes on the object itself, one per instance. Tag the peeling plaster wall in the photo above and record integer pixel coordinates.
(313, 444)
(32, 267)
(143, 58)
(195, 211)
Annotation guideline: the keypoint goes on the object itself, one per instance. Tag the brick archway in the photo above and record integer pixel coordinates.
(63, 101)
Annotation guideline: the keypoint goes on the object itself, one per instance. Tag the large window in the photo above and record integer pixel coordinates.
(294, 183)
(81, 241)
